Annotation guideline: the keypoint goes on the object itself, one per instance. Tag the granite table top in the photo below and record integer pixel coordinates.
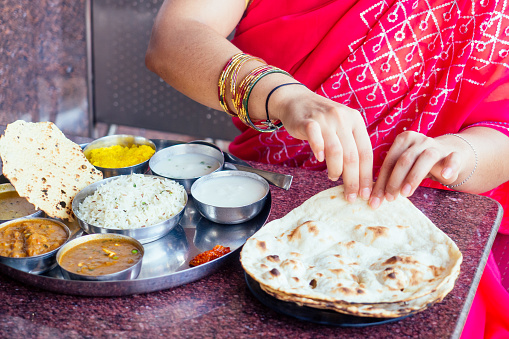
(222, 306)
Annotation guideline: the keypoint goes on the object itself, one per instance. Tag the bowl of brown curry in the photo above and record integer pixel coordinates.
(12, 206)
(101, 257)
(30, 244)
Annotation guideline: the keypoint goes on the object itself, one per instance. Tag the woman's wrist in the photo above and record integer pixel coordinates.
(464, 146)
(260, 92)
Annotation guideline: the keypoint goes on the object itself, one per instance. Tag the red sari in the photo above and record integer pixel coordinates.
(433, 67)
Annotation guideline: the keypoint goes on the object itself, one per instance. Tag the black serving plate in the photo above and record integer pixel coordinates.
(314, 315)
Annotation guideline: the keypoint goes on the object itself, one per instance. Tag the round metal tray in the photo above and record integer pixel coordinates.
(166, 260)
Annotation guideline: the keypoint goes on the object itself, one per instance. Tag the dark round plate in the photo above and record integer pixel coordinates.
(315, 315)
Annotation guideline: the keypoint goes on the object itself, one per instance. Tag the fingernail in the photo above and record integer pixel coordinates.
(405, 191)
(334, 179)
(374, 202)
(447, 173)
(351, 197)
(365, 193)
(389, 197)
(320, 156)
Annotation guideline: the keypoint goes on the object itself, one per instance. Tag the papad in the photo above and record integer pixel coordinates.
(45, 167)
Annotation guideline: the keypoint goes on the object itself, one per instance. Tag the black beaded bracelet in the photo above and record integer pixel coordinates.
(269, 122)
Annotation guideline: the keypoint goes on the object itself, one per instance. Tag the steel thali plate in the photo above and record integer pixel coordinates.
(166, 260)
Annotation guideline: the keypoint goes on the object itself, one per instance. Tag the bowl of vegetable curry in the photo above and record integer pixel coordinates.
(30, 244)
(101, 257)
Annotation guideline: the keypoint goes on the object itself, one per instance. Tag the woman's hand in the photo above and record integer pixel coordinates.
(336, 134)
(414, 157)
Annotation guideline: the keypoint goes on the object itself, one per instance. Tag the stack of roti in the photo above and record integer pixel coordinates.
(330, 254)
(45, 167)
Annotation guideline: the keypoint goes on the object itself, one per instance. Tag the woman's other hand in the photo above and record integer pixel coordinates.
(448, 159)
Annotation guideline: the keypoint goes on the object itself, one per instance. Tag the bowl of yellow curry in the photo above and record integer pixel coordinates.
(30, 244)
(120, 154)
(101, 257)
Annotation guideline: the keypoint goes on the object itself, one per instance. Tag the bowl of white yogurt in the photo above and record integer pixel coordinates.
(185, 163)
(230, 197)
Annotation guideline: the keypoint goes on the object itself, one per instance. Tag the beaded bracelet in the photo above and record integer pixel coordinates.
(476, 161)
(268, 122)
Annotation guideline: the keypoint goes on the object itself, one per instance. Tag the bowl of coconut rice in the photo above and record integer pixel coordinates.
(144, 207)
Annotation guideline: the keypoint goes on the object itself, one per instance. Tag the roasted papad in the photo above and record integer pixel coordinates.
(45, 167)
(330, 254)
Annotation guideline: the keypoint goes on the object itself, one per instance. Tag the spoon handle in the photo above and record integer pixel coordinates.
(283, 181)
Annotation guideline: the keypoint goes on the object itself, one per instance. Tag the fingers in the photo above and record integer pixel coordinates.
(412, 158)
(448, 170)
(365, 162)
(350, 165)
(315, 140)
(334, 150)
(347, 152)
(337, 135)
(378, 194)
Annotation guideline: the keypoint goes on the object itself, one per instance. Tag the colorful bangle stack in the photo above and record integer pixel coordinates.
(242, 99)
(242, 92)
(229, 74)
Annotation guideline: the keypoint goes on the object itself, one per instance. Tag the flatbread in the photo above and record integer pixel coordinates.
(45, 167)
(330, 254)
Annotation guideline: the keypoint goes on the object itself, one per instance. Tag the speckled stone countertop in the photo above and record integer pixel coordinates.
(222, 306)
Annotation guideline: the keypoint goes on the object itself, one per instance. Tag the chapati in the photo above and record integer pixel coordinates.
(331, 254)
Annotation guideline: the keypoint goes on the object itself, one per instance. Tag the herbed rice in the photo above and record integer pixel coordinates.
(133, 201)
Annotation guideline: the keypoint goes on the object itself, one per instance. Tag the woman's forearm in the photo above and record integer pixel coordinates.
(188, 49)
(492, 150)
(186, 52)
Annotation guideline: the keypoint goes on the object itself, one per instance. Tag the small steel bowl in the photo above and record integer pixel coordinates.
(122, 140)
(189, 148)
(142, 234)
(228, 215)
(7, 187)
(126, 274)
(39, 263)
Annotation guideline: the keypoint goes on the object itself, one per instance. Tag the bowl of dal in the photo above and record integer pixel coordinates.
(101, 257)
(12, 206)
(30, 244)
(185, 163)
(120, 154)
(144, 207)
(230, 197)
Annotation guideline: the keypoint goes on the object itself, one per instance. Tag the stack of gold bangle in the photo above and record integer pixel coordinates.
(240, 94)
(229, 74)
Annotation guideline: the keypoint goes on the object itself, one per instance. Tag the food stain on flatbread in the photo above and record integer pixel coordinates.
(274, 258)
(261, 245)
(45, 167)
(378, 231)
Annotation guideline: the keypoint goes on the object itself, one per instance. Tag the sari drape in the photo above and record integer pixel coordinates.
(434, 67)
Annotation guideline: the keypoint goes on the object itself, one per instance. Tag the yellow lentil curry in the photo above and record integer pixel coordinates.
(120, 156)
(31, 237)
(100, 256)
(13, 206)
